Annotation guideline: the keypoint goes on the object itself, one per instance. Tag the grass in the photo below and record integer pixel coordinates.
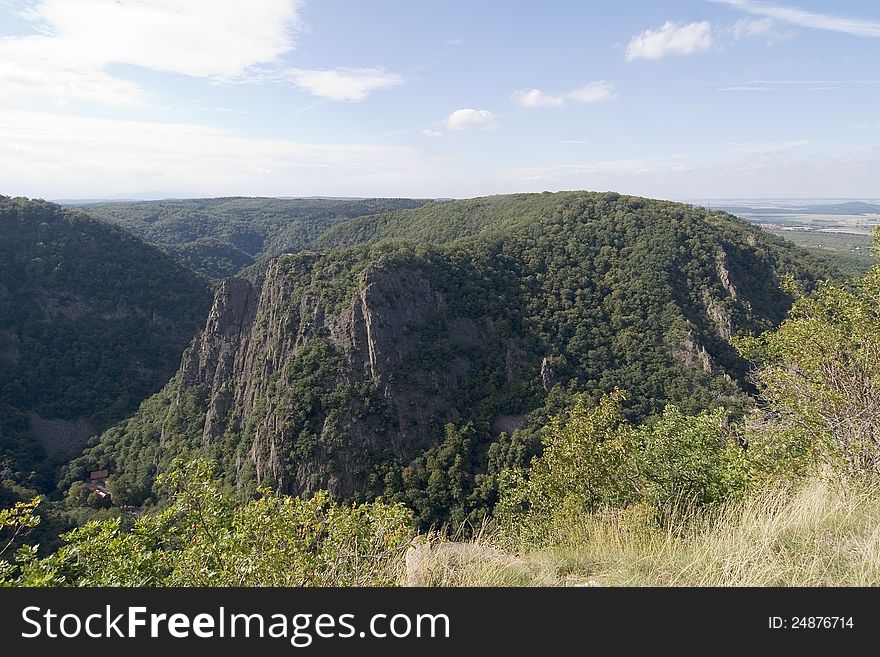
(821, 534)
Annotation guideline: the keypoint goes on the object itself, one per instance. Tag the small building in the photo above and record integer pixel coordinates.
(98, 486)
(99, 476)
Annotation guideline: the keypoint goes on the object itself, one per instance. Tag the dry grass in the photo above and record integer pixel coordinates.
(818, 535)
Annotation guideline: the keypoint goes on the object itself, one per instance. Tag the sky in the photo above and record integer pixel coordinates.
(680, 99)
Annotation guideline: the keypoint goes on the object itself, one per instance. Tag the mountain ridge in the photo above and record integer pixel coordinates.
(380, 369)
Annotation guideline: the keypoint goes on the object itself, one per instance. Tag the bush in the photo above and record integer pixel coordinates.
(819, 372)
(594, 460)
(203, 538)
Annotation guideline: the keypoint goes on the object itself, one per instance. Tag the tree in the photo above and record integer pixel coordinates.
(820, 372)
(594, 460)
(14, 524)
(204, 537)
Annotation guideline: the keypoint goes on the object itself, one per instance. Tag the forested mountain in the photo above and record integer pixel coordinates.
(402, 367)
(92, 321)
(221, 236)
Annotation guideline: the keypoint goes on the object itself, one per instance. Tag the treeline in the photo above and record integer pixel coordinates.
(221, 237)
(92, 321)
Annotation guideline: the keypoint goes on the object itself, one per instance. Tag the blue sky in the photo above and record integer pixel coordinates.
(685, 99)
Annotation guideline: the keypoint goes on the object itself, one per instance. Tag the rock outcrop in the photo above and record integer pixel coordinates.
(314, 388)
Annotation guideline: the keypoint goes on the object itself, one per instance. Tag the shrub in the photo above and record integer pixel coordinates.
(203, 538)
(594, 460)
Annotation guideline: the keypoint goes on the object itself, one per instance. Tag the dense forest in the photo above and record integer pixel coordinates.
(418, 368)
(511, 369)
(220, 237)
(92, 321)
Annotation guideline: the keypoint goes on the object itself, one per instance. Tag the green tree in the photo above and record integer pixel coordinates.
(594, 460)
(15, 523)
(204, 537)
(820, 373)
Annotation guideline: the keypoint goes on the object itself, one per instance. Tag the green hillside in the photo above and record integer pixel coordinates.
(92, 321)
(418, 371)
(221, 236)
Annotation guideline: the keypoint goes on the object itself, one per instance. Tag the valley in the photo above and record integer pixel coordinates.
(423, 357)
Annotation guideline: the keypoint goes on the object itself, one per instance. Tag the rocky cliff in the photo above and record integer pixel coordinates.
(313, 392)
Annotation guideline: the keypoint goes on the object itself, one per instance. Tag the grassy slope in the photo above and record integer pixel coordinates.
(819, 535)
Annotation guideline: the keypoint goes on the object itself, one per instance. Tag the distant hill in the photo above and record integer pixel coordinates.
(850, 207)
(92, 321)
(222, 236)
(846, 208)
(392, 362)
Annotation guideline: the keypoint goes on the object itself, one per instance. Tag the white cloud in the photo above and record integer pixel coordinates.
(430, 132)
(594, 92)
(811, 82)
(767, 28)
(39, 77)
(472, 119)
(605, 170)
(54, 155)
(536, 98)
(196, 37)
(670, 39)
(746, 87)
(804, 18)
(79, 39)
(344, 84)
(795, 172)
(805, 85)
(59, 155)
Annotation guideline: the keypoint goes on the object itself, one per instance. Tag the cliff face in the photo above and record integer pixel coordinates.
(314, 392)
(306, 386)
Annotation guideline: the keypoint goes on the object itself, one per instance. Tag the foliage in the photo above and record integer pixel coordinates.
(594, 460)
(816, 533)
(17, 520)
(440, 484)
(92, 321)
(546, 306)
(820, 372)
(535, 300)
(204, 538)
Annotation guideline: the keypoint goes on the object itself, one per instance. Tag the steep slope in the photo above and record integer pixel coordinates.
(393, 368)
(222, 236)
(92, 321)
